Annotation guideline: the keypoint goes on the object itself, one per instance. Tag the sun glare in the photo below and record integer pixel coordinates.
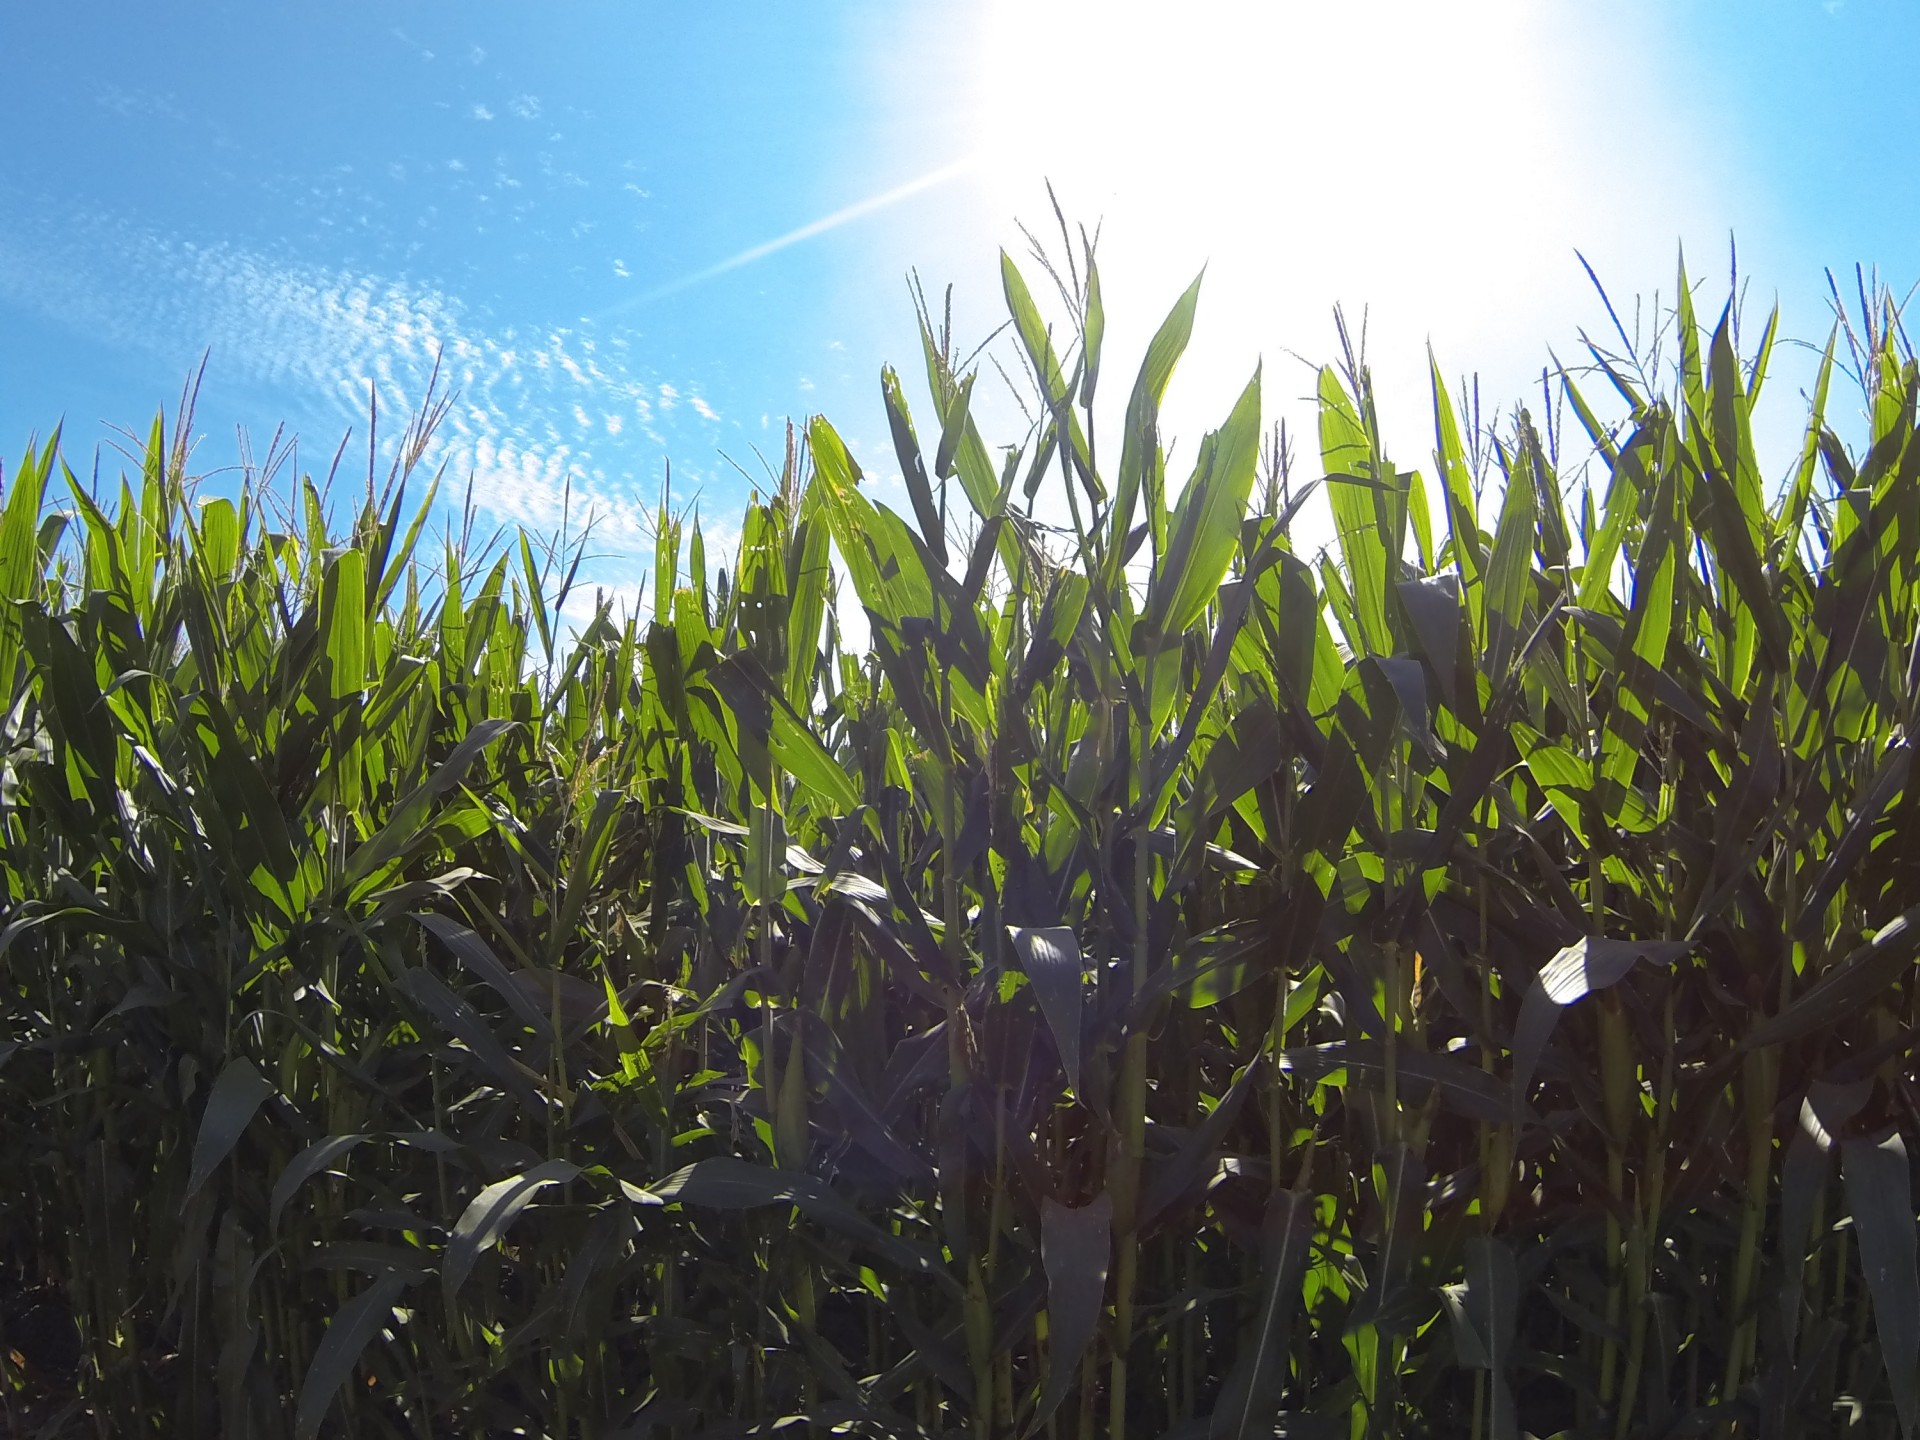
(1435, 165)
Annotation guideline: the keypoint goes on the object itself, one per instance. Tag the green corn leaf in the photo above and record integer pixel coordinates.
(488, 1215)
(460, 1020)
(1206, 523)
(1055, 386)
(237, 1095)
(1456, 482)
(1463, 1088)
(1846, 987)
(219, 537)
(1187, 1170)
(352, 1329)
(1650, 622)
(1508, 567)
(346, 611)
(1421, 515)
(1492, 1306)
(760, 707)
(809, 581)
(1736, 508)
(399, 563)
(1094, 334)
(1564, 778)
(478, 956)
(1790, 520)
(408, 822)
(586, 864)
(1825, 1108)
(881, 554)
(1249, 1397)
(1051, 958)
(1589, 964)
(962, 452)
(913, 467)
(316, 1158)
(1433, 610)
(1693, 383)
(1140, 449)
(1075, 1246)
(536, 594)
(1867, 818)
(1880, 1194)
(1625, 486)
(1361, 515)
(955, 428)
(727, 1183)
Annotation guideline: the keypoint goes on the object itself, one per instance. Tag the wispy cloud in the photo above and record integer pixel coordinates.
(480, 112)
(558, 173)
(547, 421)
(527, 107)
(412, 44)
(137, 104)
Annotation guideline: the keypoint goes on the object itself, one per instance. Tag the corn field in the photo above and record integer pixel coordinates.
(1166, 982)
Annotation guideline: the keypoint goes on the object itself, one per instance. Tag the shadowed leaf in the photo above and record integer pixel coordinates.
(488, 1215)
(1075, 1244)
(1880, 1193)
(1051, 957)
(236, 1095)
(352, 1328)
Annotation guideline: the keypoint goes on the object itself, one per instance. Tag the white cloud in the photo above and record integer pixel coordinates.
(476, 56)
(568, 178)
(457, 166)
(669, 397)
(702, 409)
(412, 44)
(620, 269)
(527, 107)
(318, 336)
(481, 112)
(137, 104)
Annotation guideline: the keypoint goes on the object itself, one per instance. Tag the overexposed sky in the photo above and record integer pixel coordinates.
(1433, 168)
(644, 233)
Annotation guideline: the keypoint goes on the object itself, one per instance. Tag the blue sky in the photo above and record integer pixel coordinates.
(325, 195)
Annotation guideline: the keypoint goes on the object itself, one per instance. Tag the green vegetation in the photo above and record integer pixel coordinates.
(1458, 985)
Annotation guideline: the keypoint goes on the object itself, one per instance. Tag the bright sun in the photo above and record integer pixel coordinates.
(1436, 164)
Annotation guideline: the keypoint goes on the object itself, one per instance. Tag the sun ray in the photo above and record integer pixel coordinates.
(859, 210)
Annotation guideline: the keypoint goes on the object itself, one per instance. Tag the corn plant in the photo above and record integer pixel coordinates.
(1166, 983)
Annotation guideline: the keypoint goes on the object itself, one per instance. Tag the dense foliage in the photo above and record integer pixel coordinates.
(1164, 984)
